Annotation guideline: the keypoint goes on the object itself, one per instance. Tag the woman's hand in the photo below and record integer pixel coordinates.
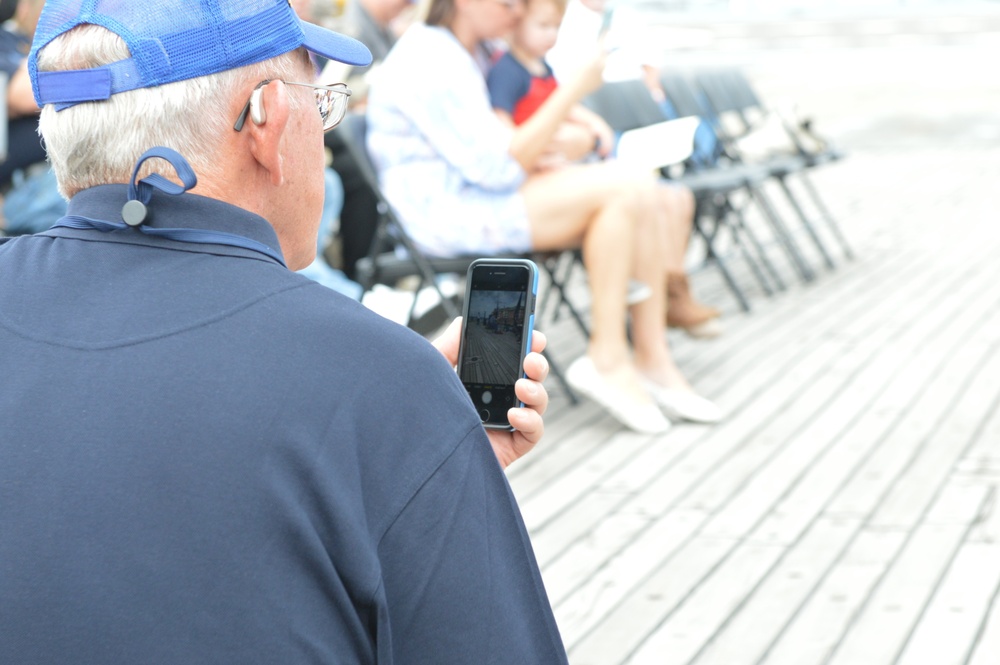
(571, 143)
(590, 76)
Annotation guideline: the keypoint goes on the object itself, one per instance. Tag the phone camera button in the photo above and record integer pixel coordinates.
(487, 397)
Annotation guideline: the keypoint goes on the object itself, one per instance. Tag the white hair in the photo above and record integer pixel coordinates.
(96, 143)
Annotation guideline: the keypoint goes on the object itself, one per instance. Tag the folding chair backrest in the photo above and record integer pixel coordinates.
(352, 130)
(739, 86)
(744, 125)
(687, 100)
(725, 101)
(384, 264)
(713, 84)
(752, 110)
(684, 96)
(625, 105)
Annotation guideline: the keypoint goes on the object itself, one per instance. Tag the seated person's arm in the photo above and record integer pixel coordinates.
(603, 137)
(20, 98)
(532, 139)
(570, 143)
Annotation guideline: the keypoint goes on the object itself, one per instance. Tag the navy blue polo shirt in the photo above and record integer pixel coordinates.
(206, 458)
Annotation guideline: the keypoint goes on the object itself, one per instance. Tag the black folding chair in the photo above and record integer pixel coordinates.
(688, 99)
(728, 94)
(752, 112)
(394, 255)
(628, 105)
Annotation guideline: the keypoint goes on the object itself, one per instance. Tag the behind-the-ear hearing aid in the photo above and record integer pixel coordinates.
(257, 113)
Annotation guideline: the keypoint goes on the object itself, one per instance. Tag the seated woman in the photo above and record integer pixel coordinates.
(465, 183)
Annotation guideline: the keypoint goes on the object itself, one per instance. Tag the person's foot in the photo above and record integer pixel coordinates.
(670, 389)
(683, 404)
(684, 312)
(620, 393)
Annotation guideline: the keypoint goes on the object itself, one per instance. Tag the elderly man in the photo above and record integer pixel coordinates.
(204, 457)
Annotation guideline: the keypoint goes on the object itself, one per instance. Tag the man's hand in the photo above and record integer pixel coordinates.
(527, 421)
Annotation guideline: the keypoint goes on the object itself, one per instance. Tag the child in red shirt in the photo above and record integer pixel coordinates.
(521, 81)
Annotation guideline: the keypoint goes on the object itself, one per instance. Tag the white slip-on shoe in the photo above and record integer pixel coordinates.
(684, 405)
(585, 379)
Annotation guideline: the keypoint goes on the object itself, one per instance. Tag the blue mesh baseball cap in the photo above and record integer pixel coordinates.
(173, 40)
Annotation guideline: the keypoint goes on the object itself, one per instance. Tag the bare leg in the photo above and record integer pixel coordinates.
(654, 254)
(678, 202)
(685, 311)
(596, 207)
(652, 353)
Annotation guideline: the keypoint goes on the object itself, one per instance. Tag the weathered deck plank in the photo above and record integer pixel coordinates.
(846, 510)
(821, 516)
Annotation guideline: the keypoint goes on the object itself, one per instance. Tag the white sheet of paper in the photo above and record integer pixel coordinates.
(658, 145)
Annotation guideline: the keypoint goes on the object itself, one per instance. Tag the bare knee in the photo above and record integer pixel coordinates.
(679, 204)
(626, 207)
(638, 196)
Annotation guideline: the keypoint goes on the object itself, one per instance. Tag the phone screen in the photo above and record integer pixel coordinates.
(499, 314)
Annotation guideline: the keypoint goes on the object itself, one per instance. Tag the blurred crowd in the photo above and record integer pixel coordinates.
(482, 146)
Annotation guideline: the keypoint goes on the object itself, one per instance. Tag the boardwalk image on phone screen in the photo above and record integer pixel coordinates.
(493, 337)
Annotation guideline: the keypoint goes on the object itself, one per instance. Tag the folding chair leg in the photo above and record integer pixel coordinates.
(779, 283)
(713, 255)
(827, 216)
(551, 266)
(810, 229)
(742, 234)
(782, 234)
(558, 284)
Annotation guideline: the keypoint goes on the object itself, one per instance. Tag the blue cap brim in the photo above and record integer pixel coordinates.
(334, 45)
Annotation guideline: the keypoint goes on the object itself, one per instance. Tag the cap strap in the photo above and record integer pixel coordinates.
(66, 88)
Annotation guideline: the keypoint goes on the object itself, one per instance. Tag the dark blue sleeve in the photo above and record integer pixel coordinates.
(507, 82)
(460, 579)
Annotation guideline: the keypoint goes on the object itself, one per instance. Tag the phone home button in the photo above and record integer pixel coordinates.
(484, 415)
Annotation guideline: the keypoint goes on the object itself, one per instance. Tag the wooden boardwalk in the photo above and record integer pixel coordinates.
(844, 512)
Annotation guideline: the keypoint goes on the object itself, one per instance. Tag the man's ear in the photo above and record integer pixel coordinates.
(267, 126)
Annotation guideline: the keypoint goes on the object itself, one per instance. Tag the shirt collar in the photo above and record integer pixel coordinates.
(187, 211)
